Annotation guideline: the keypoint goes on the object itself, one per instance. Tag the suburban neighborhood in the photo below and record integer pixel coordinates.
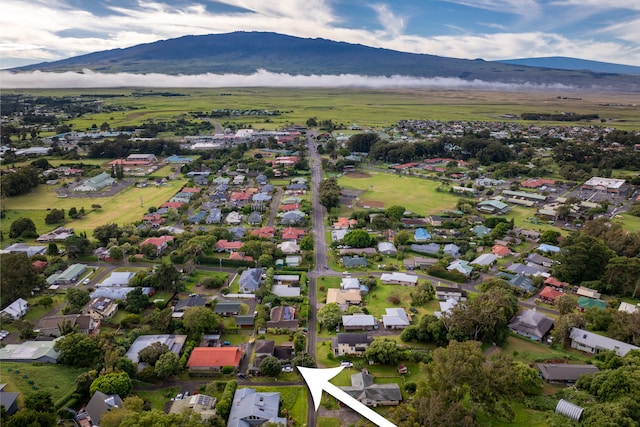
(186, 279)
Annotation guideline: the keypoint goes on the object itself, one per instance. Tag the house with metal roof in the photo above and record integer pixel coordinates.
(359, 321)
(30, 351)
(387, 248)
(206, 360)
(344, 297)
(283, 317)
(50, 326)
(227, 308)
(16, 309)
(421, 235)
(354, 261)
(451, 249)
(251, 408)
(30, 250)
(398, 278)
(461, 266)
(396, 318)
(365, 391)
(285, 291)
(250, 280)
(564, 373)
(96, 183)
(100, 404)
(174, 342)
(430, 248)
(593, 343)
(493, 207)
(531, 324)
(569, 410)
(485, 260)
(117, 278)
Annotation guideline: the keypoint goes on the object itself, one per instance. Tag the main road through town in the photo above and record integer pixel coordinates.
(320, 249)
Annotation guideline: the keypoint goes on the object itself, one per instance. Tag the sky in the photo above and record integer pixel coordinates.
(36, 31)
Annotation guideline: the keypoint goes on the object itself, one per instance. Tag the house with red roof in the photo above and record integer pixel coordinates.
(161, 243)
(552, 281)
(240, 256)
(549, 294)
(344, 223)
(39, 265)
(227, 246)
(191, 190)
(500, 251)
(537, 182)
(154, 220)
(292, 233)
(204, 360)
(290, 207)
(172, 205)
(264, 232)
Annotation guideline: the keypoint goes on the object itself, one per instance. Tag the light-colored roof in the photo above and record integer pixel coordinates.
(174, 342)
(285, 291)
(117, 278)
(601, 342)
(398, 277)
(29, 350)
(250, 408)
(395, 317)
(343, 296)
(484, 259)
(16, 309)
(358, 320)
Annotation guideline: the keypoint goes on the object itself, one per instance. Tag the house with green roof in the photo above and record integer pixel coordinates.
(586, 302)
(30, 351)
(96, 183)
(70, 275)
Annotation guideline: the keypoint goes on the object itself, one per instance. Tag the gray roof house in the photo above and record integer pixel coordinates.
(565, 373)
(364, 390)
(174, 342)
(9, 400)
(484, 260)
(359, 322)
(531, 324)
(594, 343)
(16, 309)
(251, 408)
(430, 248)
(254, 218)
(396, 318)
(250, 280)
(527, 270)
(451, 249)
(214, 217)
(193, 300)
(387, 248)
(354, 261)
(227, 308)
(100, 404)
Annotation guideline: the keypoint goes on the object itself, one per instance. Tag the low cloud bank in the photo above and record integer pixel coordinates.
(261, 78)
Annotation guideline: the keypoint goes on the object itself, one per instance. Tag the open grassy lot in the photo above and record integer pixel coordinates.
(158, 398)
(415, 194)
(127, 206)
(56, 379)
(528, 351)
(367, 107)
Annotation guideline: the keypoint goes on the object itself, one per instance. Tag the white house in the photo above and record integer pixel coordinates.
(16, 309)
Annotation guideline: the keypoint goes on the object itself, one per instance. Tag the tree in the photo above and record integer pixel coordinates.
(303, 359)
(105, 232)
(84, 381)
(77, 350)
(583, 258)
(306, 243)
(563, 325)
(357, 239)
(168, 364)
(18, 278)
(330, 315)
(52, 249)
(45, 301)
(23, 228)
(423, 293)
(565, 303)
(31, 418)
(395, 212)
(200, 319)
(151, 353)
(54, 216)
(77, 298)
(270, 366)
(550, 237)
(73, 212)
(329, 193)
(385, 351)
(402, 238)
(168, 278)
(40, 401)
(161, 320)
(312, 122)
(362, 142)
(136, 301)
(112, 383)
(76, 245)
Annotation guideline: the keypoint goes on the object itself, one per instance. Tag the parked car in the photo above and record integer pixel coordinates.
(179, 396)
(413, 310)
(86, 281)
(287, 368)
(346, 364)
(242, 376)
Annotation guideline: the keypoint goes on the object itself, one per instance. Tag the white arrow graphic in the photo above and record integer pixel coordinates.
(318, 380)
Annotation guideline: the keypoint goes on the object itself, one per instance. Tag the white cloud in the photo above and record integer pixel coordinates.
(599, 4)
(90, 79)
(516, 7)
(393, 25)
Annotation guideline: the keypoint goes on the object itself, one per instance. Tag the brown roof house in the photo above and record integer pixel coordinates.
(364, 390)
(564, 373)
(50, 326)
(283, 317)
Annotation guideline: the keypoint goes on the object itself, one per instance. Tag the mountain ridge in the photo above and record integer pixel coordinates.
(247, 52)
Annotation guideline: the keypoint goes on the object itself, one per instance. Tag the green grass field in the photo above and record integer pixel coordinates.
(56, 379)
(122, 208)
(366, 107)
(415, 194)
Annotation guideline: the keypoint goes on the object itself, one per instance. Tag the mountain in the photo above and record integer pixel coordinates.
(564, 63)
(247, 52)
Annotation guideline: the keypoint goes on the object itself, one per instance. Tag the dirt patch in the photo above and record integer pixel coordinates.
(358, 175)
(371, 204)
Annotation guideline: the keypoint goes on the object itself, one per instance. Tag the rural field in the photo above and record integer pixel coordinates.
(366, 107)
(126, 206)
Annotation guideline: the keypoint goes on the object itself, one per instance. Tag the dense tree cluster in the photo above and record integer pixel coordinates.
(22, 181)
(329, 193)
(121, 147)
(18, 278)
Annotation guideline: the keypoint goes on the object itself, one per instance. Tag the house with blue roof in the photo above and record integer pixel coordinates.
(548, 248)
(178, 159)
(214, 217)
(198, 217)
(421, 235)
(452, 250)
(251, 408)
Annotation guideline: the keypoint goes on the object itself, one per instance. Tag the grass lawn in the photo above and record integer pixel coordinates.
(36, 215)
(37, 311)
(528, 351)
(121, 208)
(198, 275)
(326, 283)
(158, 398)
(523, 416)
(329, 422)
(419, 196)
(293, 399)
(58, 380)
(377, 299)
